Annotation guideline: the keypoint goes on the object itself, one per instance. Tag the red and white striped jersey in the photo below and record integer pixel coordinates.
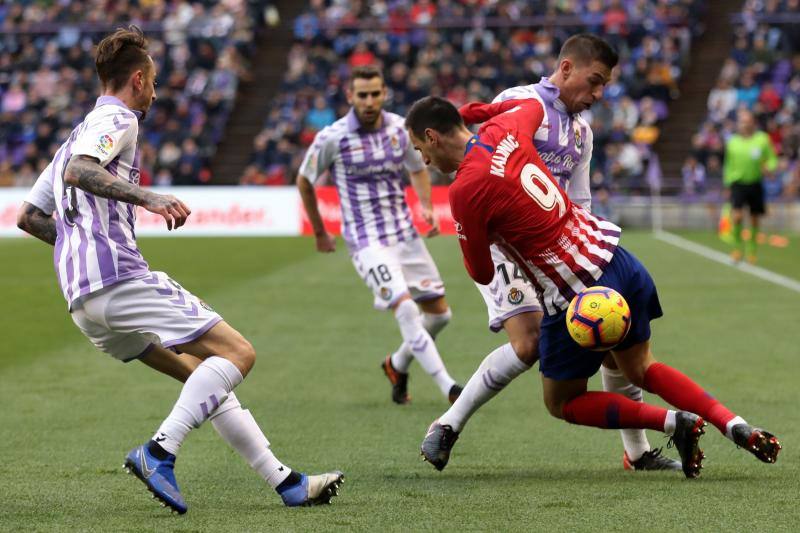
(504, 194)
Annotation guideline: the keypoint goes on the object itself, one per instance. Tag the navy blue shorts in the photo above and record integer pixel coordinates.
(561, 358)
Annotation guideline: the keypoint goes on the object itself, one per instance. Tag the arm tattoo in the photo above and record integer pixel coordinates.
(93, 178)
(38, 223)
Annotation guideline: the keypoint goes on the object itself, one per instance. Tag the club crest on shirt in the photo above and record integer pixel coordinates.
(386, 293)
(395, 141)
(205, 306)
(105, 144)
(515, 296)
(578, 138)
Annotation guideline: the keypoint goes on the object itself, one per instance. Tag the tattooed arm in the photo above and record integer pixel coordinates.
(33, 220)
(86, 173)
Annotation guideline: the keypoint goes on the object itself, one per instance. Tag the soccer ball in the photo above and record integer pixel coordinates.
(598, 318)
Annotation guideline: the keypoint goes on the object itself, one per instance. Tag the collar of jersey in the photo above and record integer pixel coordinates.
(475, 141)
(550, 93)
(113, 100)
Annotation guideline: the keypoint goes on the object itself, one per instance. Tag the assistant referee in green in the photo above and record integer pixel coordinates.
(748, 155)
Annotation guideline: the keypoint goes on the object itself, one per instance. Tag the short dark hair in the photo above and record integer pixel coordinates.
(435, 113)
(585, 47)
(366, 72)
(119, 55)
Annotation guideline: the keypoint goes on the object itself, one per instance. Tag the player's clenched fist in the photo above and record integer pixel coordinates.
(325, 243)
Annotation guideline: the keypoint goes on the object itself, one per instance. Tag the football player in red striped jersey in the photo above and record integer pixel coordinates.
(504, 194)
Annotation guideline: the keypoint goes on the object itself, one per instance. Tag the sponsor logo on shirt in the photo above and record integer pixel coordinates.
(386, 167)
(105, 144)
(552, 158)
(459, 230)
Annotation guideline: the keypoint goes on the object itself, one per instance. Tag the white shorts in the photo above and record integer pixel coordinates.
(402, 268)
(127, 319)
(509, 293)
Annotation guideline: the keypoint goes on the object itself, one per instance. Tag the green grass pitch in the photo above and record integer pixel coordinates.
(70, 413)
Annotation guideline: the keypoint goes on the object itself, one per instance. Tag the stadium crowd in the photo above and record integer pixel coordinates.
(472, 51)
(762, 74)
(48, 83)
(459, 49)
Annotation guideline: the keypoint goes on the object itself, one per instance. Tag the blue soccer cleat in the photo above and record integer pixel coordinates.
(158, 475)
(313, 490)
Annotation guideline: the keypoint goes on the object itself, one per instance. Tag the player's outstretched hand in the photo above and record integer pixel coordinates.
(173, 210)
(326, 243)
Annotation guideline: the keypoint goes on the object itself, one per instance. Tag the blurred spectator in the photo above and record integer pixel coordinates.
(722, 100)
(694, 177)
(321, 115)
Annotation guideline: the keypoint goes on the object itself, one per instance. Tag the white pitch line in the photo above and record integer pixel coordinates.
(719, 257)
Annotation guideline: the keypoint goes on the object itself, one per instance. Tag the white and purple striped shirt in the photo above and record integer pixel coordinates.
(95, 243)
(564, 140)
(368, 170)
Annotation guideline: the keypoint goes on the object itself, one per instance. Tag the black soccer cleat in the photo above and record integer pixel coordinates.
(399, 381)
(649, 461)
(688, 430)
(437, 444)
(760, 443)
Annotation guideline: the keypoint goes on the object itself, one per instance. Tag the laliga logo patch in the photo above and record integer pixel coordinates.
(515, 296)
(578, 139)
(395, 141)
(105, 144)
(386, 293)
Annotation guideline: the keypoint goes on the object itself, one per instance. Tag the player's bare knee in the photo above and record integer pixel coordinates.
(527, 348)
(555, 407)
(244, 355)
(636, 377)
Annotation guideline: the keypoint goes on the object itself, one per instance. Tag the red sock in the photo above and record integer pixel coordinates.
(680, 391)
(613, 411)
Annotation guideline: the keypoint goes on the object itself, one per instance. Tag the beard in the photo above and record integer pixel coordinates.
(369, 123)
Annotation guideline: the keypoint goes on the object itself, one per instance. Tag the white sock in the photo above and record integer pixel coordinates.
(436, 322)
(633, 440)
(207, 387)
(729, 426)
(421, 344)
(669, 422)
(496, 371)
(239, 429)
(433, 324)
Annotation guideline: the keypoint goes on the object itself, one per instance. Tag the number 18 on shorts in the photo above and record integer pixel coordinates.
(403, 268)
